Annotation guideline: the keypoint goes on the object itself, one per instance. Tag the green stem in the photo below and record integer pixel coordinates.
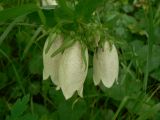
(18, 78)
(150, 45)
(123, 103)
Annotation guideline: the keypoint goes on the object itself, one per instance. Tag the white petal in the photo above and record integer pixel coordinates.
(51, 64)
(48, 2)
(72, 71)
(106, 65)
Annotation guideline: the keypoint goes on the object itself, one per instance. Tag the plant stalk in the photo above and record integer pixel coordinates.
(150, 45)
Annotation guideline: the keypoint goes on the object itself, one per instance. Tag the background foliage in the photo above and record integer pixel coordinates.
(134, 25)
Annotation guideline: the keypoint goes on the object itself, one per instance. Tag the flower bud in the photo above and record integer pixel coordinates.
(72, 70)
(51, 64)
(106, 65)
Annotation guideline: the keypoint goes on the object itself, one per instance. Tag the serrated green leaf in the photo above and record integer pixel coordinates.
(19, 107)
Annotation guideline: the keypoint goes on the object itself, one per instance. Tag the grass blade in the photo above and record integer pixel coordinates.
(9, 28)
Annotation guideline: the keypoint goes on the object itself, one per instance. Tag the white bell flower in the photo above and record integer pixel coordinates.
(48, 2)
(51, 64)
(72, 70)
(106, 65)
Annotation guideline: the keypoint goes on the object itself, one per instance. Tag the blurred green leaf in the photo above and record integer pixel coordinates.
(40, 110)
(28, 116)
(17, 11)
(156, 74)
(35, 64)
(65, 110)
(3, 80)
(150, 113)
(85, 8)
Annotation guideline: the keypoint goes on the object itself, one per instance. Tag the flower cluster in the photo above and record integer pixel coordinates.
(68, 69)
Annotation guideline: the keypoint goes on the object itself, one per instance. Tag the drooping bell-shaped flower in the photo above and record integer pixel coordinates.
(73, 70)
(48, 2)
(106, 65)
(51, 64)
